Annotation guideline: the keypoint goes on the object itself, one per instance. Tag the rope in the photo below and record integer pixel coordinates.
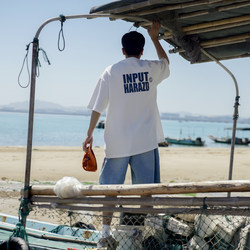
(236, 105)
(57, 229)
(204, 208)
(61, 35)
(45, 57)
(25, 61)
(38, 63)
(24, 210)
(73, 232)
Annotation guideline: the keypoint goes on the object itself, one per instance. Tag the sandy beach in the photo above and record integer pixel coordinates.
(50, 164)
(182, 164)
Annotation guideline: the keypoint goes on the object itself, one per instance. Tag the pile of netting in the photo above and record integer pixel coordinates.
(154, 232)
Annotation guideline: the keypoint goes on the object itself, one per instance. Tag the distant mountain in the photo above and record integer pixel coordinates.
(192, 117)
(53, 108)
(45, 107)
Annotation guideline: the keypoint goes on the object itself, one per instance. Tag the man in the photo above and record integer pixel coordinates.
(128, 90)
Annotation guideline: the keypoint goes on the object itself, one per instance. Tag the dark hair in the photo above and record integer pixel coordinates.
(133, 43)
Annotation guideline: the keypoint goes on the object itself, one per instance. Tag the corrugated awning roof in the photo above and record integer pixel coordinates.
(220, 27)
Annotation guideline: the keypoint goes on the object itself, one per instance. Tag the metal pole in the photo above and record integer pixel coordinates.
(24, 210)
(31, 118)
(235, 116)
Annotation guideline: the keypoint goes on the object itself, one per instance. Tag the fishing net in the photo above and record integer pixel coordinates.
(186, 230)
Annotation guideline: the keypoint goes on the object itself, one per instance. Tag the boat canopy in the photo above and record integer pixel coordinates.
(221, 28)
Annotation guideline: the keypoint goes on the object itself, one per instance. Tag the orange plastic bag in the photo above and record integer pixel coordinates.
(89, 161)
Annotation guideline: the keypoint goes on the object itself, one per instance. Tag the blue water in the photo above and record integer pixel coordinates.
(70, 130)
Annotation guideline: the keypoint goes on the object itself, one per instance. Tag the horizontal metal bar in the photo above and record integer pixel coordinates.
(88, 16)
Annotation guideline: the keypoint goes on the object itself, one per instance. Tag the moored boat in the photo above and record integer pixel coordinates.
(228, 140)
(101, 124)
(44, 235)
(186, 141)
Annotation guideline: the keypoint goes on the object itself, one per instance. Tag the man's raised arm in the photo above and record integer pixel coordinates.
(153, 32)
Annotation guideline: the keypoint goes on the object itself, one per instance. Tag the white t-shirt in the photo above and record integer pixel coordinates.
(128, 90)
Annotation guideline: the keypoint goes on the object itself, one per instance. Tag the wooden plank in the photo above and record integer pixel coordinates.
(171, 210)
(136, 6)
(218, 42)
(218, 9)
(149, 201)
(151, 189)
(225, 41)
(212, 26)
(174, 7)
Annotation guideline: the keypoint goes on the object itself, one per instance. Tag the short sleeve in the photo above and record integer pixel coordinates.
(100, 97)
(160, 69)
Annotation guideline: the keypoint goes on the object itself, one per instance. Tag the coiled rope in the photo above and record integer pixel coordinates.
(61, 46)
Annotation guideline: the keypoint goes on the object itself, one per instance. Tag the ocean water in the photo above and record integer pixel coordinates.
(70, 130)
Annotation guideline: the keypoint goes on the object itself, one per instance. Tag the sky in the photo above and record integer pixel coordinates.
(93, 44)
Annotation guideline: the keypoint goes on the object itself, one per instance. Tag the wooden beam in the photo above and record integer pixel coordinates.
(221, 27)
(171, 210)
(212, 26)
(149, 201)
(218, 9)
(234, 6)
(151, 3)
(133, 7)
(151, 189)
(175, 7)
(221, 22)
(219, 42)
(225, 41)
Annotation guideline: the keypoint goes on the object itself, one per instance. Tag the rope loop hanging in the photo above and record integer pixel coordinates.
(61, 35)
(25, 61)
(38, 63)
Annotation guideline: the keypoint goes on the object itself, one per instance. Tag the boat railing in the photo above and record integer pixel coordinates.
(199, 215)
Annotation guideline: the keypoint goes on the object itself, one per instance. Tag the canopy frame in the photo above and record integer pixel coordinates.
(26, 192)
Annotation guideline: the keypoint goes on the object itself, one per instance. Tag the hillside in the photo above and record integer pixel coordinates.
(53, 108)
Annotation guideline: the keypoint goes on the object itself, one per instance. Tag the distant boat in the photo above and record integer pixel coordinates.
(101, 124)
(227, 140)
(243, 129)
(163, 144)
(186, 141)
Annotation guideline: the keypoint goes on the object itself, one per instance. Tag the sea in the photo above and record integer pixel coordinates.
(70, 130)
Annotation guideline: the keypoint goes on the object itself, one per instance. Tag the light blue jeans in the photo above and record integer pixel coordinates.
(145, 168)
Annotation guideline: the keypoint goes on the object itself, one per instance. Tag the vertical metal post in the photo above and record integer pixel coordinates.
(31, 117)
(235, 116)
